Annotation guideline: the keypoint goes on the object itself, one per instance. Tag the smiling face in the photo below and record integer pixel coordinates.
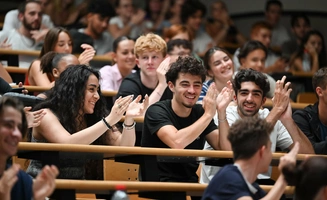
(221, 66)
(124, 56)
(249, 99)
(64, 43)
(148, 62)
(91, 94)
(10, 131)
(186, 90)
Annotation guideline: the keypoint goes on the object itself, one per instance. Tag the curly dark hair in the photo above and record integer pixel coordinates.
(251, 75)
(248, 135)
(185, 65)
(66, 98)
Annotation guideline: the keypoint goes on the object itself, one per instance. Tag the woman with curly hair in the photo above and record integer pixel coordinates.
(60, 41)
(76, 114)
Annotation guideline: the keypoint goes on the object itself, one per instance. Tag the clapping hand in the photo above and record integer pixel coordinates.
(7, 181)
(34, 118)
(137, 109)
(44, 184)
(118, 109)
(87, 55)
(225, 96)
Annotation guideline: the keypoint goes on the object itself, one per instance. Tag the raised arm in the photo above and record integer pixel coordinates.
(179, 139)
(223, 100)
(282, 111)
(127, 137)
(162, 85)
(52, 130)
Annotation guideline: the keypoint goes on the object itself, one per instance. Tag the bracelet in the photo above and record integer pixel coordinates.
(222, 120)
(106, 123)
(129, 127)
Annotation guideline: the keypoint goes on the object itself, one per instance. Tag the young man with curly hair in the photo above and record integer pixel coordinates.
(180, 123)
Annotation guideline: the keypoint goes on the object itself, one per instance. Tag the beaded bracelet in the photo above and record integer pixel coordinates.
(129, 127)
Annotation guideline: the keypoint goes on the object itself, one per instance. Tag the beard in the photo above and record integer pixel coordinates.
(30, 26)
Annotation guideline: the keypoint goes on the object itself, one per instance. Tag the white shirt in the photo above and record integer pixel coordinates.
(279, 137)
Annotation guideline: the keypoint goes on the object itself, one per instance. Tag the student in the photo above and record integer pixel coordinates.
(193, 11)
(312, 119)
(112, 76)
(250, 89)
(261, 31)
(129, 20)
(60, 41)
(180, 123)
(178, 31)
(251, 145)
(87, 121)
(150, 51)
(55, 63)
(179, 48)
(220, 69)
(15, 183)
(30, 14)
(99, 13)
(311, 55)
(253, 54)
(309, 178)
(273, 14)
(300, 25)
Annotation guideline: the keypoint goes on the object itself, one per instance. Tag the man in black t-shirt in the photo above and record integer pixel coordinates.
(180, 123)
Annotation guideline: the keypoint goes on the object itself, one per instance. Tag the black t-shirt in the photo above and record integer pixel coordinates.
(161, 114)
(132, 85)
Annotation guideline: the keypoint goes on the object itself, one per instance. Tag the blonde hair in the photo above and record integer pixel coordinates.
(150, 42)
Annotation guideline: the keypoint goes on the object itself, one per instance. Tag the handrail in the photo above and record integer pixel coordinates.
(104, 58)
(32, 88)
(139, 185)
(29, 146)
(16, 70)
